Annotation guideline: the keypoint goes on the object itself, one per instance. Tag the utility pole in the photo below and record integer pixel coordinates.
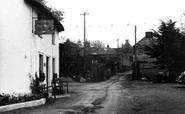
(84, 14)
(135, 32)
(118, 53)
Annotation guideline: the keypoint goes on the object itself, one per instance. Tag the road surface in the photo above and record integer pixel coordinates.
(118, 95)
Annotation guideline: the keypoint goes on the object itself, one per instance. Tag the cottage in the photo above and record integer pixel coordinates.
(142, 57)
(104, 54)
(126, 53)
(26, 47)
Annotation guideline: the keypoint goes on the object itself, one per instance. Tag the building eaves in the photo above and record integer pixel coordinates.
(43, 8)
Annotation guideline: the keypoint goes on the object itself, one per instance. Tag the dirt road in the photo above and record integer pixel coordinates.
(118, 95)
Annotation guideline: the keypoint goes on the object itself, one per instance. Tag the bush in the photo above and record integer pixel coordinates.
(160, 78)
(148, 74)
(6, 99)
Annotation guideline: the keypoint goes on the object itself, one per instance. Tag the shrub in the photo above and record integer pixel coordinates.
(148, 74)
(6, 99)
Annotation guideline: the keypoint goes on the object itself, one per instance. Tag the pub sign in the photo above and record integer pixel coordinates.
(44, 27)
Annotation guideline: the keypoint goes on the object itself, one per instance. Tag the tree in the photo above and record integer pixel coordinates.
(97, 44)
(70, 59)
(79, 42)
(182, 24)
(57, 13)
(168, 49)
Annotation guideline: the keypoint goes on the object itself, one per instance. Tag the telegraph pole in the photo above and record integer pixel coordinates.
(118, 54)
(135, 31)
(84, 14)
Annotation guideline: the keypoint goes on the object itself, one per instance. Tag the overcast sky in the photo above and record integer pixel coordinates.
(109, 20)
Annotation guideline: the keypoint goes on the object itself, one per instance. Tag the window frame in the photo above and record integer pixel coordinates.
(53, 39)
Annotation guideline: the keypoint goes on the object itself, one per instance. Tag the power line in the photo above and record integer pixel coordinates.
(112, 25)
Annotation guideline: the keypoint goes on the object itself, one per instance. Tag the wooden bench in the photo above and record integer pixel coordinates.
(56, 89)
(45, 90)
(60, 84)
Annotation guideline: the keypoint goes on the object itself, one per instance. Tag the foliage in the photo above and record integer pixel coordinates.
(34, 85)
(57, 13)
(169, 49)
(182, 24)
(42, 76)
(100, 73)
(70, 59)
(148, 74)
(97, 44)
(6, 99)
(79, 42)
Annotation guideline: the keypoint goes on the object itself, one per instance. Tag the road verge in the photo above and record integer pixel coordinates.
(22, 105)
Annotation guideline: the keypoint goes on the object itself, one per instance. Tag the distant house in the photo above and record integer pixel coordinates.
(143, 59)
(126, 53)
(104, 62)
(103, 54)
(27, 48)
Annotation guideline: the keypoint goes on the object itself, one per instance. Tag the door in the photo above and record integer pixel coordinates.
(47, 70)
(53, 68)
(40, 64)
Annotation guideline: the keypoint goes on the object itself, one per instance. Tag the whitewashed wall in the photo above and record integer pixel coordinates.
(20, 48)
(44, 46)
(15, 45)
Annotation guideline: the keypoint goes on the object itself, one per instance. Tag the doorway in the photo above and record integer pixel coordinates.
(40, 64)
(47, 70)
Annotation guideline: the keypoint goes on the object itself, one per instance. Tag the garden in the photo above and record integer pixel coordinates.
(13, 98)
(7, 99)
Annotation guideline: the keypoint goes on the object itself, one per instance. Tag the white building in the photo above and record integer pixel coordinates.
(22, 52)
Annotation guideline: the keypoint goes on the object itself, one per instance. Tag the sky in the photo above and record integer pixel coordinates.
(109, 20)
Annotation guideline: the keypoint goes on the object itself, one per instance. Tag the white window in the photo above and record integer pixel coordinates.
(140, 51)
(40, 62)
(53, 39)
(53, 66)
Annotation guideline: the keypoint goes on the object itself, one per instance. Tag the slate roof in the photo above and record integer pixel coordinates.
(145, 41)
(103, 51)
(126, 48)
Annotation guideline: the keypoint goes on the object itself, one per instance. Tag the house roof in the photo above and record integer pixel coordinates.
(145, 41)
(72, 44)
(104, 51)
(126, 48)
(43, 9)
(110, 51)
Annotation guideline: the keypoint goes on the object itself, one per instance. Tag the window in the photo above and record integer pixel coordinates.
(140, 51)
(131, 59)
(40, 63)
(53, 39)
(53, 65)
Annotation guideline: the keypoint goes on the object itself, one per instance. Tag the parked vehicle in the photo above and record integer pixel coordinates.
(161, 77)
(181, 78)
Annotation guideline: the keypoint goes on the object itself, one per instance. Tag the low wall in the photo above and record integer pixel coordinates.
(22, 105)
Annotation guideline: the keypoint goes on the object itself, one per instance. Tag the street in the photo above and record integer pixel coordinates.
(118, 95)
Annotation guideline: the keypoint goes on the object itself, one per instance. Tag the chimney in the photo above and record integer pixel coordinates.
(148, 34)
(126, 41)
(107, 45)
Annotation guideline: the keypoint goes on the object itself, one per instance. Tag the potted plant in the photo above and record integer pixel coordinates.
(42, 76)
